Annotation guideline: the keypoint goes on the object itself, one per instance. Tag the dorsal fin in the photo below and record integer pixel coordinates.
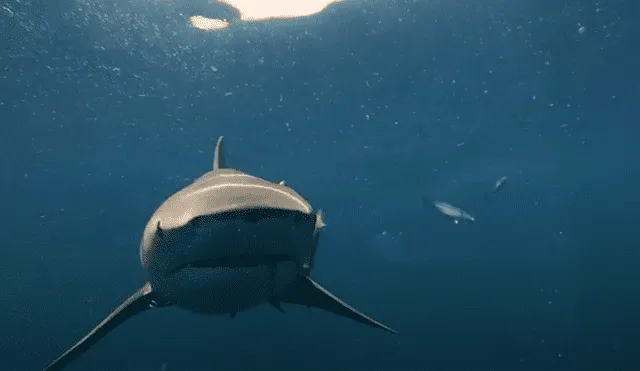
(218, 155)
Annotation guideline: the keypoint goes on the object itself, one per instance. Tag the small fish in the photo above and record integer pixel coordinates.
(499, 183)
(454, 212)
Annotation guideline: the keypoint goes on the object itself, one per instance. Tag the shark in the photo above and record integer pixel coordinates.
(226, 243)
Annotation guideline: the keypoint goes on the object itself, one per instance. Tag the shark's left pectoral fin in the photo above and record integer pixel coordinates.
(140, 301)
(310, 293)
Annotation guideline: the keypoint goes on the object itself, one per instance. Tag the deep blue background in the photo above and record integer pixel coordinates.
(107, 108)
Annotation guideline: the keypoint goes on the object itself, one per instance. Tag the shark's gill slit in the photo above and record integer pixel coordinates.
(241, 261)
(254, 216)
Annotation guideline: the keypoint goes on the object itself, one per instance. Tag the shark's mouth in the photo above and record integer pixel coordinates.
(240, 261)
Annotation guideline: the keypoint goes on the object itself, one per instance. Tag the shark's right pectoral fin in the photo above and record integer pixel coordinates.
(310, 293)
(140, 301)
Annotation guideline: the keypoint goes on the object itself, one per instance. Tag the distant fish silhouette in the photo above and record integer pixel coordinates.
(499, 183)
(489, 194)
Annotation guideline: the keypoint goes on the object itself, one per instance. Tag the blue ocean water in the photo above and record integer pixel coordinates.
(372, 110)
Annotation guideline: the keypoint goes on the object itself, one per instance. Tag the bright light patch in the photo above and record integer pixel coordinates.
(259, 10)
(208, 24)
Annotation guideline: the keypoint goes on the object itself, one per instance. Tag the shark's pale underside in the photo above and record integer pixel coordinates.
(226, 243)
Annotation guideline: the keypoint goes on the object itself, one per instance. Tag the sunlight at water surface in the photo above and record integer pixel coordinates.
(256, 10)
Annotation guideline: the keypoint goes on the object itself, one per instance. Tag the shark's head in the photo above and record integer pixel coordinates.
(229, 232)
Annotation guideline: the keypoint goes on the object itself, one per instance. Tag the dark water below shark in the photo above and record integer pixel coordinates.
(106, 108)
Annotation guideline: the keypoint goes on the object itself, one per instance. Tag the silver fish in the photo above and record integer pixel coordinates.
(454, 212)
